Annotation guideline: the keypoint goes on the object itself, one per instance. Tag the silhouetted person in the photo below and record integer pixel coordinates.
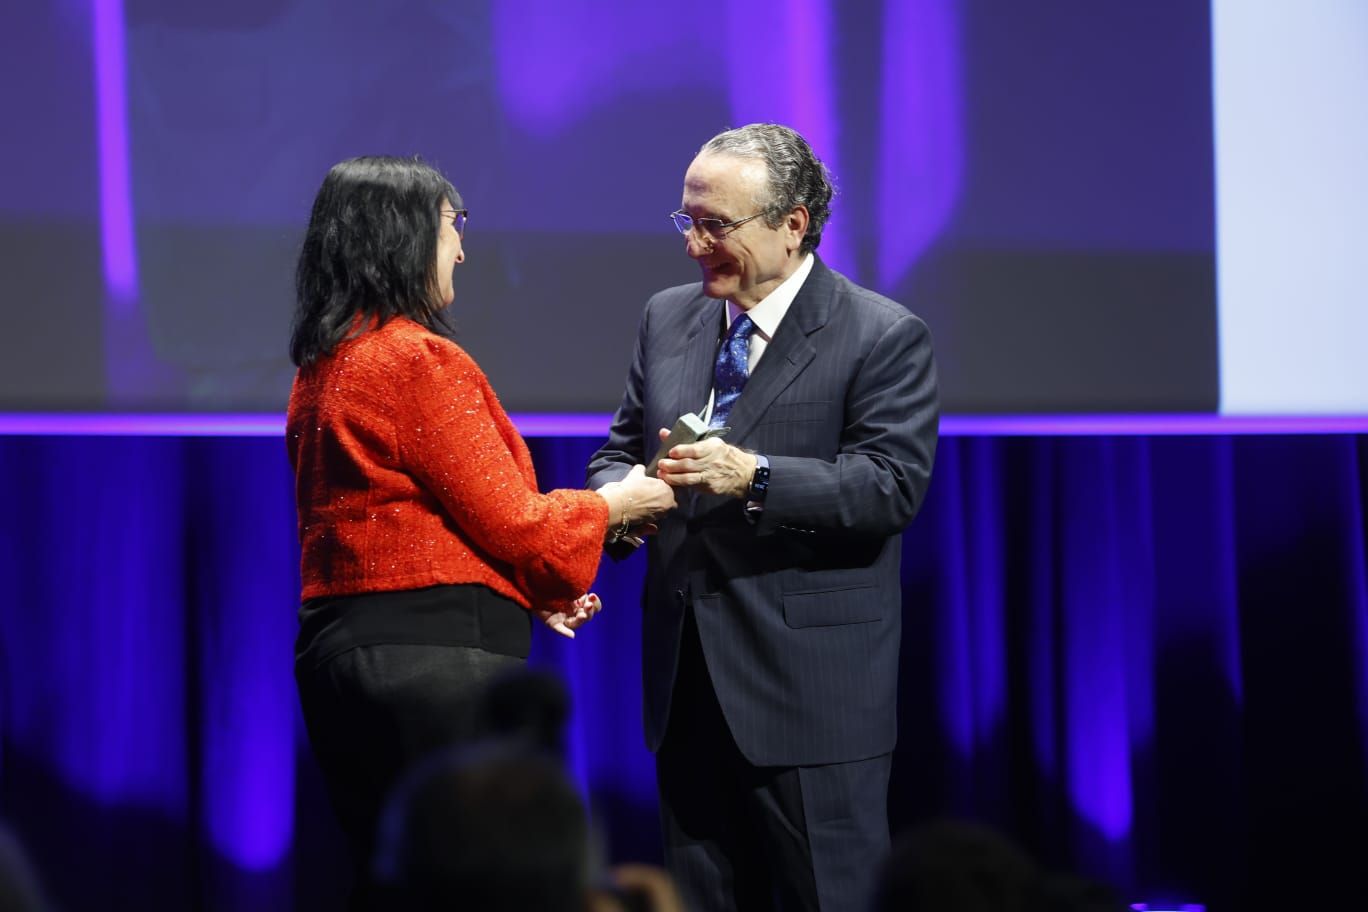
(528, 705)
(19, 889)
(491, 827)
(960, 866)
(1068, 893)
(636, 888)
(957, 866)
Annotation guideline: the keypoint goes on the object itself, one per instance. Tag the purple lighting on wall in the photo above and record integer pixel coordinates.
(597, 53)
(107, 705)
(1093, 600)
(971, 642)
(116, 208)
(554, 424)
(245, 635)
(921, 155)
(774, 90)
(1357, 593)
(809, 26)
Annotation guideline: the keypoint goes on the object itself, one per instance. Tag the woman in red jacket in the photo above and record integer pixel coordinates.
(426, 545)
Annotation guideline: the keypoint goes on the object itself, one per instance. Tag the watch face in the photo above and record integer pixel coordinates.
(759, 483)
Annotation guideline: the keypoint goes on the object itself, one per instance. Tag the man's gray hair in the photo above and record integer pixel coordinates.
(797, 177)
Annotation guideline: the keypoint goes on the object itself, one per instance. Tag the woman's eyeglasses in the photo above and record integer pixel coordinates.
(458, 219)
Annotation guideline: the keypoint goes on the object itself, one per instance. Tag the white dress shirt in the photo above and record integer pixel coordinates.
(766, 315)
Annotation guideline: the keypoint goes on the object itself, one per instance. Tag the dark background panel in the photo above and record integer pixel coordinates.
(1072, 332)
(1034, 181)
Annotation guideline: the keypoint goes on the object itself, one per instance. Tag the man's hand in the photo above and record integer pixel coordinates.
(709, 465)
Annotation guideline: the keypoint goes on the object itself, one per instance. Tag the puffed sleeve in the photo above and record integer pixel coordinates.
(455, 449)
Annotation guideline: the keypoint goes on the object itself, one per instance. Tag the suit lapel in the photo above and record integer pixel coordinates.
(700, 350)
(788, 353)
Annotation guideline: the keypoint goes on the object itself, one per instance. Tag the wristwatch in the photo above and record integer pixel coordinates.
(759, 486)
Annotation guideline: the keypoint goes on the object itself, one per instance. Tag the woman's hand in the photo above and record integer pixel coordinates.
(636, 499)
(566, 621)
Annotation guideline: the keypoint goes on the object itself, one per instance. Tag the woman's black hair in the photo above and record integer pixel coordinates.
(370, 251)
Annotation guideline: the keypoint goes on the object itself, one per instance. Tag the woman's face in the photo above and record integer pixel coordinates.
(449, 253)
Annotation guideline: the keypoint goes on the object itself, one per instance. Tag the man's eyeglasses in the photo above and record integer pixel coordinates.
(458, 219)
(713, 228)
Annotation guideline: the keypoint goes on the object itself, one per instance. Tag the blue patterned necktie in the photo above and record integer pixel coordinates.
(731, 370)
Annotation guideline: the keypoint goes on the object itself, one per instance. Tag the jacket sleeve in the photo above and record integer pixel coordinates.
(455, 449)
(877, 482)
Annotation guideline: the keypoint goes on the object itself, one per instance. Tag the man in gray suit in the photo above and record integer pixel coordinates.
(772, 605)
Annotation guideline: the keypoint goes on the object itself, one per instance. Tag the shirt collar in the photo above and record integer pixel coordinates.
(770, 311)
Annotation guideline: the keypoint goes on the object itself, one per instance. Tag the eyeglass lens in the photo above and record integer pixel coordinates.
(684, 222)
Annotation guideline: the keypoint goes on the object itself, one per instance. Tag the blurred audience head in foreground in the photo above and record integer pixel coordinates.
(960, 866)
(498, 824)
(494, 826)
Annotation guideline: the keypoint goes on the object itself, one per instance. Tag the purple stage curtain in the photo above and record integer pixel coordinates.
(1144, 658)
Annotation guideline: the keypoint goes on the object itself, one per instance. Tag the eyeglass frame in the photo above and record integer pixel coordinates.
(459, 217)
(716, 233)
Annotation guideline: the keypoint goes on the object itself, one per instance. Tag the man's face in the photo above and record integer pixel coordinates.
(752, 259)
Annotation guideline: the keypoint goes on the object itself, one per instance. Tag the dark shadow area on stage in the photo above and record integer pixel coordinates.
(93, 855)
(1244, 767)
(1142, 658)
(628, 824)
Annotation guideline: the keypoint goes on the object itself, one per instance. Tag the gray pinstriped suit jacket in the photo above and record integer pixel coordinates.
(799, 614)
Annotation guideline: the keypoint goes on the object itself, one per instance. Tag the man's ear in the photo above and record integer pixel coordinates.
(796, 225)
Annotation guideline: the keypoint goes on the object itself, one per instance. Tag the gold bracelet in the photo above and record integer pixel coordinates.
(626, 526)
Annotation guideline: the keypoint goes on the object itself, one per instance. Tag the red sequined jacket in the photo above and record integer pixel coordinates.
(408, 473)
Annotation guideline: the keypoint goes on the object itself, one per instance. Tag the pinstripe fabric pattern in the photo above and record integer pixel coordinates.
(799, 614)
(738, 837)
